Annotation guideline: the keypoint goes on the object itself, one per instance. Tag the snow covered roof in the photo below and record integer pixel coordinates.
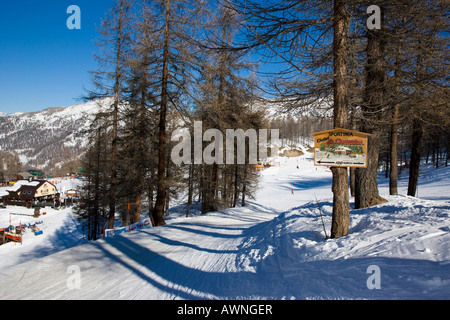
(25, 174)
(20, 183)
(3, 192)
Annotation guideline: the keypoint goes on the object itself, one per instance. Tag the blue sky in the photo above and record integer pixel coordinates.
(43, 63)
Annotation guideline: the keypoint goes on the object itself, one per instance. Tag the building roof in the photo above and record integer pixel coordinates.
(25, 174)
(20, 183)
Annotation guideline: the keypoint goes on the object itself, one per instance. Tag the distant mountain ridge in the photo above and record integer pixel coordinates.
(48, 138)
(52, 140)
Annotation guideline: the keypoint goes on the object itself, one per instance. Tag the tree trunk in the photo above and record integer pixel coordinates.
(205, 185)
(447, 155)
(158, 211)
(366, 191)
(236, 183)
(166, 207)
(138, 205)
(114, 151)
(212, 193)
(414, 164)
(393, 173)
(142, 153)
(96, 210)
(150, 193)
(244, 185)
(167, 200)
(438, 151)
(341, 206)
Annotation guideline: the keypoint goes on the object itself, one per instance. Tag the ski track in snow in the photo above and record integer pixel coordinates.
(275, 248)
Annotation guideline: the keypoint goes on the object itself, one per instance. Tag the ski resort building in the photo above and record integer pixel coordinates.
(31, 193)
(30, 174)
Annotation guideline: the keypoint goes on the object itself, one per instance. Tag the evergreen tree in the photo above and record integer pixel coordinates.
(108, 82)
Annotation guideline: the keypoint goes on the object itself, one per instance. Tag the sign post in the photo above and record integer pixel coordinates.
(340, 148)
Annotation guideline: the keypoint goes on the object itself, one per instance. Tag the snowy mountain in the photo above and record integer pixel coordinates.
(275, 248)
(3, 114)
(46, 138)
(279, 110)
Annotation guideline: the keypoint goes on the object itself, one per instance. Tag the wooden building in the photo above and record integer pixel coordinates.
(32, 192)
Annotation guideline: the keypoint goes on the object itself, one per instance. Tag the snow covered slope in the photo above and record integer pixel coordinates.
(273, 249)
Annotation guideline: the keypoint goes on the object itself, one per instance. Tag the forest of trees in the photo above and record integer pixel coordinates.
(169, 63)
(10, 165)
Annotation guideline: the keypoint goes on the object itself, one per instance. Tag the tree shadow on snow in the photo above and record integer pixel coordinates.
(281, 275)
(185, 282)
(306, 184)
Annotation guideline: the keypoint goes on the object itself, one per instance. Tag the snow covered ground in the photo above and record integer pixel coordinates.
(275, 248)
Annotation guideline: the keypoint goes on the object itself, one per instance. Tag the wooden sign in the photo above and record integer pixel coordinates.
(340, 148)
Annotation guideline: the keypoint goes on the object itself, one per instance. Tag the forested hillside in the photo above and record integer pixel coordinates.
(51, 140)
